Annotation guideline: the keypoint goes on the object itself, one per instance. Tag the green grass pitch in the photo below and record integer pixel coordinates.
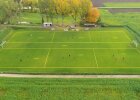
(105, 50)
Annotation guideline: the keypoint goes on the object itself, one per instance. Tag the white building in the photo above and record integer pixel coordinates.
(47, 24)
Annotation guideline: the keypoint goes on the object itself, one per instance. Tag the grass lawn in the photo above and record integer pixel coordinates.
(69, 89)
(104, 50)
(122, 4)
(131, 19)
(36, 18)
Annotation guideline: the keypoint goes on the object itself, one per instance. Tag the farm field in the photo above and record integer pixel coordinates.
(100, 3)
(69, 89)
(123, 4)
(104, 50)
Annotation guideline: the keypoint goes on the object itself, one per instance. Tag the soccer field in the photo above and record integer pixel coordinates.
(104, 50)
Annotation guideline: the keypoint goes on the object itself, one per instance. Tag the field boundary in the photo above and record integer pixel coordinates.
(64, 42)
(64, 48)
(70, 67)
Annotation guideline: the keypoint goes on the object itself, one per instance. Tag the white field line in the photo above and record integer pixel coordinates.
(53, 37)
(127, 36)
(46, 60)
(65, 48)
(13, 35)
(90, 37)
(95, 58)
(44, 32)
(7, 35)
(47, 56)
(64, 42)
(69, 67)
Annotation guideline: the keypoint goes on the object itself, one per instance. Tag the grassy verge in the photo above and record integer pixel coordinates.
(69, 89)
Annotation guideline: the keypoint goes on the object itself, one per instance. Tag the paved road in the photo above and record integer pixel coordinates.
(67, 76)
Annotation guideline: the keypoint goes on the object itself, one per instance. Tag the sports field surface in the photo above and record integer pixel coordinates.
(104, 50)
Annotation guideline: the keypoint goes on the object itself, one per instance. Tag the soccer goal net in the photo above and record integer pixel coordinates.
(135, 43)
(2, 44)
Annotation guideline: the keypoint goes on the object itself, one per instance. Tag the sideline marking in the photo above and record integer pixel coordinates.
(46, 60)
(69, 67)
(53, 37)
(9, 34)
(95, 58)
(90, 37)
(64, 48)
(65, 42)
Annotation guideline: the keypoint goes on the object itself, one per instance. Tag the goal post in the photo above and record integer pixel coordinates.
(135, 43)
(2, 43)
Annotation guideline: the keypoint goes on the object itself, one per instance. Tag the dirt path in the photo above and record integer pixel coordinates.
(67, 76)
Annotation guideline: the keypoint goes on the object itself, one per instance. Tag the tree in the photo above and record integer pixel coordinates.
(75, 9)
(9, 9)
(51, 9)
(93, 15)
(42, 8)
(63, 8)
(84, 8)
(30, 4)
(47, 7)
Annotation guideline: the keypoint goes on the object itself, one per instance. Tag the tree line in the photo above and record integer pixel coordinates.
(77, 9)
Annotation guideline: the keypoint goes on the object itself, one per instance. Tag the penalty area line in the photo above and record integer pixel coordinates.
(46, 60)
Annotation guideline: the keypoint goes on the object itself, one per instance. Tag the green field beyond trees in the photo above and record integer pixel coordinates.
(123, 4)
(103, 50)
(69, 89)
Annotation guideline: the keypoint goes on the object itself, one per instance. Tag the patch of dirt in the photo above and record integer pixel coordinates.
(2, 92)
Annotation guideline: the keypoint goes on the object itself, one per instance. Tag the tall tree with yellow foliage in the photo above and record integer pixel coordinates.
(63, 8)
(85, 5)
(75, 9)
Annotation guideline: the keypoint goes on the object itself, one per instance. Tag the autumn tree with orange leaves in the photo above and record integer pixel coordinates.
(93, 15)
